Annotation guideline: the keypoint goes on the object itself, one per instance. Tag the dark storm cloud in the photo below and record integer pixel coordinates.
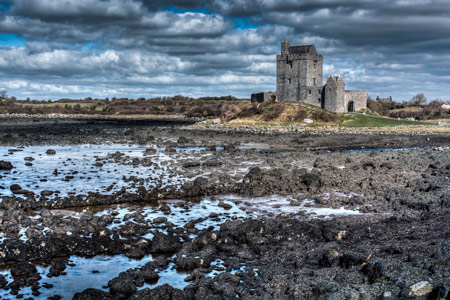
(197, 47)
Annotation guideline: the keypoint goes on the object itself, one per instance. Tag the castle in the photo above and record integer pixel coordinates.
(299, 78)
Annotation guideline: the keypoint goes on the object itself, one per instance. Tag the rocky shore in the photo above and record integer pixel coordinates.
(250, 215)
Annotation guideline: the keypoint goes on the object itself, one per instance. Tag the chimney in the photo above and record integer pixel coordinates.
(285, 47)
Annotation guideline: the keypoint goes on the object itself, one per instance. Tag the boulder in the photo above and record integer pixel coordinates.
(5, 165)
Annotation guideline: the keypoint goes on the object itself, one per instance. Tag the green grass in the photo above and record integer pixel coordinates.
(359, 120)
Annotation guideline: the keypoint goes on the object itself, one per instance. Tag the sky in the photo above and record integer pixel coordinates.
(52, 49)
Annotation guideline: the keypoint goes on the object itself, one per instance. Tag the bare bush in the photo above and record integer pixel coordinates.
(274, 111)
(324, 116)
(299, 116)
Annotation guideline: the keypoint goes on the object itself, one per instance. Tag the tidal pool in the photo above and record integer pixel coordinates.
(95, 272)
(80, 169)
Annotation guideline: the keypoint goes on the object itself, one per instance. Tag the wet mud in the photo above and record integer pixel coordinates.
(138, 211)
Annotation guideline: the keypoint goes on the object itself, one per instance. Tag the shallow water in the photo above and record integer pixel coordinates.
(78, 162)
(387, 149)
(94, 273)
(277, 204)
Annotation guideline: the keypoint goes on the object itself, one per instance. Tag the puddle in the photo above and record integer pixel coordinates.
(387, 149)
(181, 212)
(276, 204)
(170, 276)
(86, 273)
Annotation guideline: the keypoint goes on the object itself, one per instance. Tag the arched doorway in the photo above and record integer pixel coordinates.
(351, 106)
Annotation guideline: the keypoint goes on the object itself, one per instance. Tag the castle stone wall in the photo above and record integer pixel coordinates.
(359, 99)
(334, 98)
(263, 96)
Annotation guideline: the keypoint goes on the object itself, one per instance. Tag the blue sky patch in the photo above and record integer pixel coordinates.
(11, 40)
(244, 23)
(4, 6)
(90, 46)
(193, 10)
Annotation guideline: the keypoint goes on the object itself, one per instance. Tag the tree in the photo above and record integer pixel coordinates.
(3, 94)
(418, 99)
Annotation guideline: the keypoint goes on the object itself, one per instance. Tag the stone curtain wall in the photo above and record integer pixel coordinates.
(359, 99)
(263, 96)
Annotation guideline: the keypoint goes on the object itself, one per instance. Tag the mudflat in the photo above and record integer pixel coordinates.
(182, 212)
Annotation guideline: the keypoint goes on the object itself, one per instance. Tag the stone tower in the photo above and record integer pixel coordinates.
(299, 74)
(335, 94)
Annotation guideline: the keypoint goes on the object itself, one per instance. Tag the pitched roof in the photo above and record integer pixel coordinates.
(302, 49)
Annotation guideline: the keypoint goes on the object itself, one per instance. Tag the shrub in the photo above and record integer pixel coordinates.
(250, 111)
(274, 111)
(378, 107)
(299, 116)
(324, 116)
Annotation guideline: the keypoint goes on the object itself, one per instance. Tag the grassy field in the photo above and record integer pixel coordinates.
(360, 120)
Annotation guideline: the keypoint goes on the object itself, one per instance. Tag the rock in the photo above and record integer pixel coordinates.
(368, 164)
(225, 205)
(312, 181)
(440, 292)
(92, 294)
(374, 270)
(3, 281)
(165, 292)
(135, 253)
(341, 234)
(5, 165)
(182, 140)
(420, 289)
(23, 269)
(230, 148)
(191, 164)
(46, 193)
(122, 286)
(150, 151)
(45, 213)
(352, 259)
(50, 152)
(386, 296)
(212, 163)
(28, 158)
(387, 165)
(15, 187)
(165, 243)
(159, 220)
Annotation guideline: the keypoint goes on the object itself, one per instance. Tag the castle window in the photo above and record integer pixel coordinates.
(290, 65)
(289, 80)
(314, 81)
(310, 92)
